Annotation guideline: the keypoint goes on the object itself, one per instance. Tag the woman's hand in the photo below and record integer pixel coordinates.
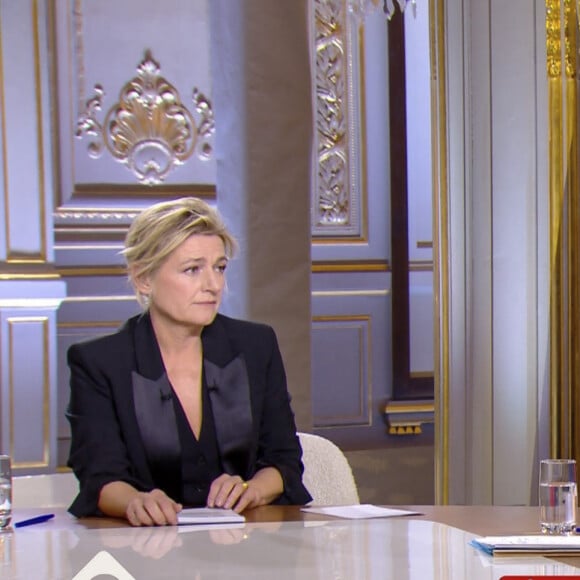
(232, 492)
(153, 508)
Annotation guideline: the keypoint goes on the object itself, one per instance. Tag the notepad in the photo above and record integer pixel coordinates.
(193, 516)
(532, 544)
(357, 512)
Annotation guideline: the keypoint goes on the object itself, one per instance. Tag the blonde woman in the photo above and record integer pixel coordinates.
(182, 406)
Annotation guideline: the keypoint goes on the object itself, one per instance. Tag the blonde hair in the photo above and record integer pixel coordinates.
(161, 228)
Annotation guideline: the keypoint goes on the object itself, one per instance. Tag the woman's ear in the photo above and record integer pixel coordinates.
(141, 282)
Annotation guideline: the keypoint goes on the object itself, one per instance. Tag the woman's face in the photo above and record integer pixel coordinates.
(187, 288)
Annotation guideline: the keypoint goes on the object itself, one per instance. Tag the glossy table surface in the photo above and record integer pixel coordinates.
(277, 543)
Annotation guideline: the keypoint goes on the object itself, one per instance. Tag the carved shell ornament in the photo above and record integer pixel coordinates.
(148, 129)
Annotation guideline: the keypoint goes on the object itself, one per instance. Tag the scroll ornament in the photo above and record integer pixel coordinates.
(149, 129)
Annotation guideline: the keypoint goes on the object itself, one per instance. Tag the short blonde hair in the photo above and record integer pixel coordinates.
(161, 228)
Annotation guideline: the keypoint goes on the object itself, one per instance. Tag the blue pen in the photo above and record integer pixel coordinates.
(32, 521)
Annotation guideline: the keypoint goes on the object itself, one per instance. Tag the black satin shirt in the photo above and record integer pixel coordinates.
(200, 460)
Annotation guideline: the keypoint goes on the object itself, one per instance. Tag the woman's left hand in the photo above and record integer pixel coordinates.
(232, 492)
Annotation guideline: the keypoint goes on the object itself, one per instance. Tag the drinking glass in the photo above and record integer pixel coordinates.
(558, 496)
(5, 491)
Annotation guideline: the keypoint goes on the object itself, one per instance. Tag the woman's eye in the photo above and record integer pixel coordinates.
(221, 268)
(192, 270)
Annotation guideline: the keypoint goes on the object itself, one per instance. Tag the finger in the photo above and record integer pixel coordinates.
(139, 516)
(245, 500)
(159, 515)
(237, 491)
(162, 509)
(220, 491)
(169, 508)
(215, 488)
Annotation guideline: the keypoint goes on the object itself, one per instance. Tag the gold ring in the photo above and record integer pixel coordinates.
(245, 485)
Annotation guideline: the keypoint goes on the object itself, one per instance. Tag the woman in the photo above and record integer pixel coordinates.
(182, 406)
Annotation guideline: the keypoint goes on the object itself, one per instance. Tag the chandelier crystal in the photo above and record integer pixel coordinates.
(360, 8)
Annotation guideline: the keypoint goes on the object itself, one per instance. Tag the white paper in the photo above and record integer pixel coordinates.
(361, 511)
(209, 516)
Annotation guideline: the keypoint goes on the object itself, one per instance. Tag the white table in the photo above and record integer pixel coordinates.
(268, 547)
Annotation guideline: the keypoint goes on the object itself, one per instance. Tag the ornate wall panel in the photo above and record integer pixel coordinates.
(348, 335)
(350, 360)
(27, 429)
(136, 74)
(339, 144)
(24, 116)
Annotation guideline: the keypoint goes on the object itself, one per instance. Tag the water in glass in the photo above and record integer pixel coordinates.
(5, 502)
(558, 505)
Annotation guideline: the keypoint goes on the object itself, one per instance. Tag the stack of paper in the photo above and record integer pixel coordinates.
(537, 544)
(208, 516)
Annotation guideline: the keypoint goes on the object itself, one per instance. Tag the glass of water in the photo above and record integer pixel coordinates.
(5, 491)
(558, 496)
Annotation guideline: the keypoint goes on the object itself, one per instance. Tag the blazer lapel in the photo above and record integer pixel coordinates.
(229, 390)
(154, 410)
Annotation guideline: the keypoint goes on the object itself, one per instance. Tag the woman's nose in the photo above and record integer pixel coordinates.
(211, 281)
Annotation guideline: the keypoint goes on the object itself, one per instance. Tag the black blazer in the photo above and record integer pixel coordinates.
(123, 429)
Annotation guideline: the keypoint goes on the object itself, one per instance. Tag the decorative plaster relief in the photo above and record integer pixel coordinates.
(337, 191)
(148, 129)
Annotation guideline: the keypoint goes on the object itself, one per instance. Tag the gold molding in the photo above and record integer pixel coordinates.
(407, 418)
(87, 271)
(27, 271)
(85, 324)
(348, 293)
(346, 266)
(441, 251)
(112, 190)
(28, 276)
(421, 266)
(12, 322)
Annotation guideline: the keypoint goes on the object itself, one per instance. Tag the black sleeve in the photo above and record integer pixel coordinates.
(98, 453)
(279, 445)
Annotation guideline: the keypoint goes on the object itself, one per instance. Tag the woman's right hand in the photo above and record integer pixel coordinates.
(153, 508)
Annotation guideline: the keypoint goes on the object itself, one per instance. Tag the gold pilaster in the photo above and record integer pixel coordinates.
(440, 248)
(572, 21)
(561, 45)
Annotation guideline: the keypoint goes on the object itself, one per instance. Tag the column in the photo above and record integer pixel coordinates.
(263, 108)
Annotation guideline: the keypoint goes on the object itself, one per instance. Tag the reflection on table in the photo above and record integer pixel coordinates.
(270, 545)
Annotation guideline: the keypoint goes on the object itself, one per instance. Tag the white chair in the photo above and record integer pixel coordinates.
(44, 491)
(327, 473)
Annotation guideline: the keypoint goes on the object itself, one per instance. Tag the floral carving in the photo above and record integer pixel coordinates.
(148, 129)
